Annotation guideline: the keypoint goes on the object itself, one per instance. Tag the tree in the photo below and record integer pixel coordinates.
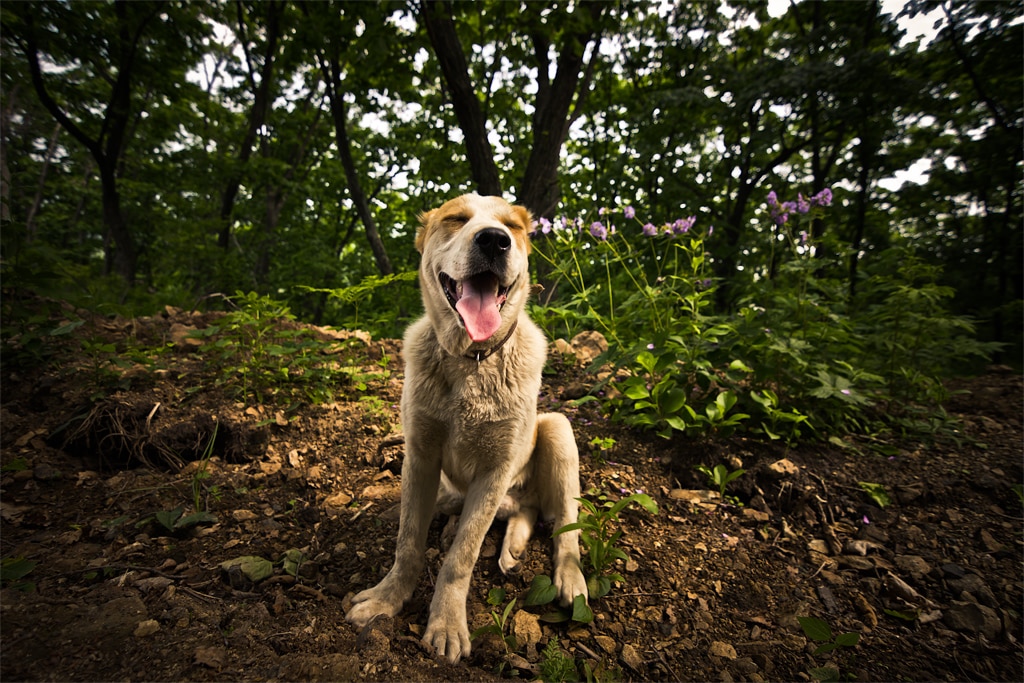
(557, 102)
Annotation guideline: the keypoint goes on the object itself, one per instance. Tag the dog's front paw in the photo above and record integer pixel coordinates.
(372, 602)
(448, 635)
(570, 582)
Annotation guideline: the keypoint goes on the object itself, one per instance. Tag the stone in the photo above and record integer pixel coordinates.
(970, 617)
(526, 629)
(587, 346)
(780, 469)
(631, 657)
(723, 650)
(606, 643)
(915, 565)
(146, 628)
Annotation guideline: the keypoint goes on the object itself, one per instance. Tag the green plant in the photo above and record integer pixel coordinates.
(175, 521)
(876, 492)
(202, 472)
(499, 626)
(1019, 490)
(819, 631)
(13, 569)
(600, 530)
(263, 355)
(599, 446)
(720, 476)
(556, 666)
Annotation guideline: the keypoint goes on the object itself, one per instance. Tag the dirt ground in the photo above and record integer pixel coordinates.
(102, 466)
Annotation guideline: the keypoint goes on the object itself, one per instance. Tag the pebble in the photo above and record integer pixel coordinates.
(724, 650)
(631, 657)
(606, 643)
(970, 617)
(783, 468)
(915, 565)
(146, 628)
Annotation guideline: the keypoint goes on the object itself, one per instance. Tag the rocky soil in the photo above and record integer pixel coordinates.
(111, 572)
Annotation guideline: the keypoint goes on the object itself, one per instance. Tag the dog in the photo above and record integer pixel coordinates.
(473, 439)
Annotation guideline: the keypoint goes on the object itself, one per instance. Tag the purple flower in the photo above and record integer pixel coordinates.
(711, 229)
(845, 391)
(823, 198)
(865, 519)
(650, 230)
(802, 205)
(602, 211)
(650, 347)
(598, 230)
(629, 211)
(773, 199)
(803, 237)
(683, 225)
(545, 225)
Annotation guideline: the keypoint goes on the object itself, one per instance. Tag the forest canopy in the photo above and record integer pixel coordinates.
(160, 153)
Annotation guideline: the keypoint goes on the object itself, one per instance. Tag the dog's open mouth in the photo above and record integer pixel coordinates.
(478, 300)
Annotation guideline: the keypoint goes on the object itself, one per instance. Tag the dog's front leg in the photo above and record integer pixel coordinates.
(420, 477)
(447, 630)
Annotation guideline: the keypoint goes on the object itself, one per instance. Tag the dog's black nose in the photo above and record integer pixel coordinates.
(492, 241)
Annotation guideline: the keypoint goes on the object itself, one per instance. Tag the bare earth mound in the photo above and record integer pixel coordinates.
(119, 579)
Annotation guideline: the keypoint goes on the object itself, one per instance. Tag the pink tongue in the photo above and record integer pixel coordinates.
(479, 308)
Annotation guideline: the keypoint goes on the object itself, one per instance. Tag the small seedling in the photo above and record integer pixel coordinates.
(498, 626)
(599, 533)
(202, 472)
(820, 632)
(600, 446)
(720, 476)
(556, 666)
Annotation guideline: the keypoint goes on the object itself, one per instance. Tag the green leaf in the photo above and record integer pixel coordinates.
(254, 567)
(815, 628)
(581, 611)
(556, 617)
(826, 674)
(291, 560)
(484, 630)
(67, 328)
(496, 596)
(541, 592)
(877, 493)
(167, 518)
(847, 639)
(14, 568)
(193, 519)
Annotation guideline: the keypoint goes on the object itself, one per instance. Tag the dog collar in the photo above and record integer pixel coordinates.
(484, 354)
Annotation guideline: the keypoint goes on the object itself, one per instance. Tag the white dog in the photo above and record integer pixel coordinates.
(473, 438)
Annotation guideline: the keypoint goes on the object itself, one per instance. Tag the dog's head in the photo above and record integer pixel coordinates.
(474, 275)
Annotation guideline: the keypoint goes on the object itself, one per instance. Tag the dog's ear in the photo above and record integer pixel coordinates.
(524, 216)
(421, 232)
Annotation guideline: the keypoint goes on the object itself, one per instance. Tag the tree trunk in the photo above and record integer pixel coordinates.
(30, 219)
(107, 148)
(332, 79)
(444, 39)
(257, 115)
(540, 191)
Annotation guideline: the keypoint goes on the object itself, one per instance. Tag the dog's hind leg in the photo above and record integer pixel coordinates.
(520, 527)
(557, 482)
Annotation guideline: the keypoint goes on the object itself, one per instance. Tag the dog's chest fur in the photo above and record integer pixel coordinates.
(488, 407)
